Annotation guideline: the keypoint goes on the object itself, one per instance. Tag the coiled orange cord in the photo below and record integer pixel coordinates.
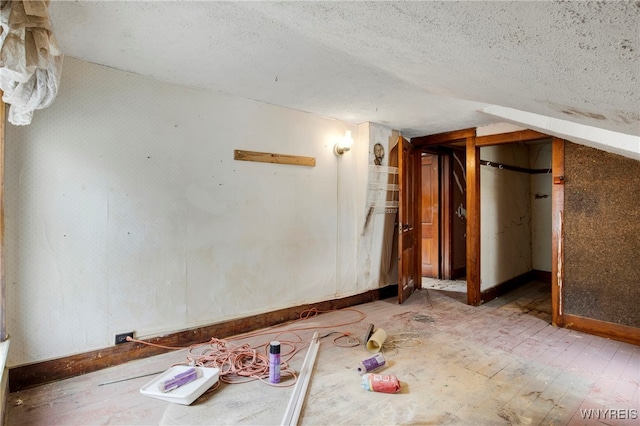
(243, 363)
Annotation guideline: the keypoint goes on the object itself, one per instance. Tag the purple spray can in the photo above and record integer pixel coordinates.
(274, 362)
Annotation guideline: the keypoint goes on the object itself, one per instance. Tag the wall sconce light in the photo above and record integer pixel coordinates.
(345, 144)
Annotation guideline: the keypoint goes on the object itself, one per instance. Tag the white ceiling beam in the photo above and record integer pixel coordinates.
(605, 140)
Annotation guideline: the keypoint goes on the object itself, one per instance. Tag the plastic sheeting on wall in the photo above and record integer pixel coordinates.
(30, 59)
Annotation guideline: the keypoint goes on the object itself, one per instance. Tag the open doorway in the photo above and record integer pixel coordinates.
(444, 220)
(514, 196)
(516, 221)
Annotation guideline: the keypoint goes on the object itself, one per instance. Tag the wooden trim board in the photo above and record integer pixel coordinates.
(557, 237)
(39, 373)
(443, 138)
(473, 222)
(513, 283)
(3, 295)
(269, 157)
(511, 137)
(4, 382)
(544, 276)
(600, 328)
(507, 286)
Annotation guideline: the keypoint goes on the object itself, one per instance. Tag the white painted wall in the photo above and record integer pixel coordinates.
(497, 128)
(541, 220)
(505, 215)
(540, 238)
(126, 211)
(376, 264)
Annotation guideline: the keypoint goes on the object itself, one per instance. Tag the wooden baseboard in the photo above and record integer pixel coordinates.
(506, 287)
(544, 276)
(30, 375)
(513, 283)
(600, 328)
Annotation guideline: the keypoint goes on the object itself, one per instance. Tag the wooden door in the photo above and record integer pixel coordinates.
(458, 182)
(453, 217)
(409, 270)
(429, 216)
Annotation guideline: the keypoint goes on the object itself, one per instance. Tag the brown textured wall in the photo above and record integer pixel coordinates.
(602, 236)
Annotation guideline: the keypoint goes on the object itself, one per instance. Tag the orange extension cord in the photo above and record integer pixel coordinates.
(243, 363)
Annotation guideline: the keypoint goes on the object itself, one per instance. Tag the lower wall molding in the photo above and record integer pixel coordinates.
(31, 375)
(39, 373)
(513, 283)
(600, 328)
(596, 327)
(544, 276)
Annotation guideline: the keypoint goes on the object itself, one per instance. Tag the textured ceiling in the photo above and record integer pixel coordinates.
(420, 67)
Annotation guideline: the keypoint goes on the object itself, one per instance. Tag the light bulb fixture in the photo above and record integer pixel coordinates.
(345, 144)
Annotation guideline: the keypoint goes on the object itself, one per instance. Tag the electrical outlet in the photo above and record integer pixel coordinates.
(122, 337)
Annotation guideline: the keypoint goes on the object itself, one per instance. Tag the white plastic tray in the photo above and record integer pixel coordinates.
(185, 394)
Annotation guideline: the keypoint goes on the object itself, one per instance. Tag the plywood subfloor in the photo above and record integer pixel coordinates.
(500, 363)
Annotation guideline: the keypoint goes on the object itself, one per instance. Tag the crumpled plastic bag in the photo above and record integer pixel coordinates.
(30, 59)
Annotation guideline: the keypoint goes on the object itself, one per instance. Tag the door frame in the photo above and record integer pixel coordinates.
(466, 136)
(448, 247)
(473, 144)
